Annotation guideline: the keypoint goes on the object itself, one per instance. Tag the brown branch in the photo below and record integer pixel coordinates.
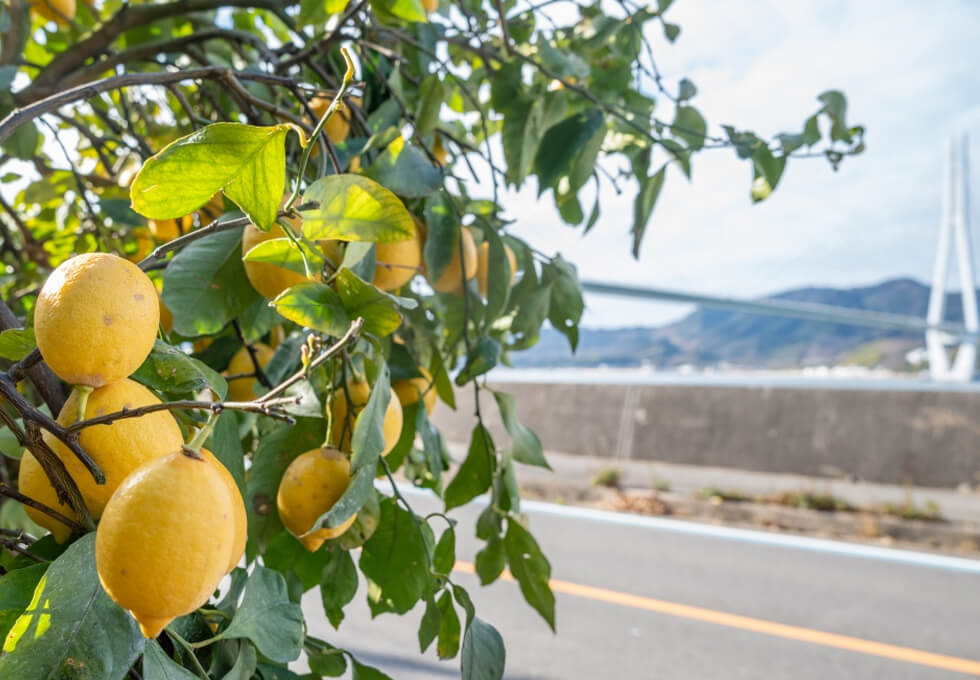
(272, 409)
(323, 43)
(37, 505)
(348, 337)
(12, 546)
(44, 381)
(252, 355)
(215, 227)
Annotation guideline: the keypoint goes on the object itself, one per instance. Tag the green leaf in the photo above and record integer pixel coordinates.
(768, 166)
(167, 369)
(531, 569)
(287, 555)
(507, 86)
(482, 358)
(408, 10)
(268, 618)
(354, 208)
(443, 235)
(491, 561)
(317, 11)
(283, 252)
(71, 623)
(643, 206)
(564, 64)
(244, 668)
(686, 90)
(483, 656)
(432, 93)
(498, 276)
(330, 661)
(314, 305)
(565, 305)
(363, 672)
(578, 135)
(16, 592)
(205, 284)
(444, 556)
(338, 584)
(448, 645)
(378, 308)
(835, 105)
(23, 143)
(532, 312)
(689, 125)
(395, 561)
(671, 31)
(476, 472)
(226, 446)
(17, 343)
(429, 625)
(525, 445)
(406, 170)
(158, 666)
(444, 385)
(247, 162)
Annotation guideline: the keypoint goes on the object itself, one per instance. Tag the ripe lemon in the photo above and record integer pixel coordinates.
(62, 11)
(312, 483)
(212, 210)
(450, 280)
(117, 448)
(96, 319)
(338, 127)
(430, 5)
(267, 278)
(168, 230)
(483, 266)
(144, 244)
(342, 426)
(408, 390)
(438, 150)
(165, 538)
(166, 317)
(33, 483)
(237, 510)
(397, 262)
(240, 389)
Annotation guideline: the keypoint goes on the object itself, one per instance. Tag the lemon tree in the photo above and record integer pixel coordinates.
(250, 250)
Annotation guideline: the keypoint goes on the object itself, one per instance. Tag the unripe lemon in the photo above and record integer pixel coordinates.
(62, 11)
(238, 513)
(408, 390)
(240, 389)
(483, 266)
(397, 262)
(451, 280)
(267, 278)
(168, 230)
(96, 319)
(342, 426)
(165, 538)
(338, 127)
(312, 483)
(117, 448)
(33, 483)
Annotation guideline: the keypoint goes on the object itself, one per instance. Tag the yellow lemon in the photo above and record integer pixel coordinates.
(212, 210)
(430, 5)
(338, 127)
(117, 448)
(238, 513)
(342, 426)
(165, 538)
(451, 279)
(312, 483)
(144, 244)
(166, 318)
(408, 390)
(268, 279)
(397, 262)
(438, 150)
(168, 230)
(240, 389)
(483, 266)
(62, 11)
(33, 483)
(96, 319)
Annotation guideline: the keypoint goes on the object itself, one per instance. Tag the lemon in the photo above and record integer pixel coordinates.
(265, 277)
(62, 11)
(96, 319)
(397, 262)
(312, 483)
(165, 538)
(32, 482)
(237, 510)
(144, 244)
(212, 210)
(483, 266)
(430, 5)
(117, 448)
(166, 317)
(168, 230)
(451, 279)
(240, 389)
(343, 418)
(438, 150)
(408, 390)
(338, 127)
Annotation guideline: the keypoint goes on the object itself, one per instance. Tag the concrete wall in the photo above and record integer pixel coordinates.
(919, 437)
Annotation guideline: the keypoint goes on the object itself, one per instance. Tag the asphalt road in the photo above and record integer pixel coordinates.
(673, 603)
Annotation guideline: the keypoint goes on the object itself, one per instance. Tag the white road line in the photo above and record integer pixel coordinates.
(822, 545)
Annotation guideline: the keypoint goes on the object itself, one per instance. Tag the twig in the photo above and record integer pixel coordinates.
(46, 383)
(252, 355)
(271, 408)
(330, 352)
(38, 505)
(13, 547)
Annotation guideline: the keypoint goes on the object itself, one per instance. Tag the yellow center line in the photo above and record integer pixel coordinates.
(816, 637)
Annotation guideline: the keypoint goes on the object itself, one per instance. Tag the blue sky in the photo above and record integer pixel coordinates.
(909, 71)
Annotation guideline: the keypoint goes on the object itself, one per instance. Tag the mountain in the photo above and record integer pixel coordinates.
(712, 337)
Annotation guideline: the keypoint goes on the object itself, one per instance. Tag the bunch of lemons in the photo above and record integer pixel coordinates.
(172, 521)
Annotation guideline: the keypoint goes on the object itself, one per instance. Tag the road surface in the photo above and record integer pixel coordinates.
(654, 598)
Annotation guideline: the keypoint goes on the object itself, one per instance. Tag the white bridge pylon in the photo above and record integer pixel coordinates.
(954, 234)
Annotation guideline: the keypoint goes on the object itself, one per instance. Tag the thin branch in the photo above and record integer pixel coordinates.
(271, 408)
(324, 42)
(46, 383)
(252, 355)
(215, 227)
(38, 505)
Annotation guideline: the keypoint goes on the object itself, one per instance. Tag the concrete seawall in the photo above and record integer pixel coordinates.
(927, 438)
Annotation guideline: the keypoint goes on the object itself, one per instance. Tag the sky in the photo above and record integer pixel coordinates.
(909, 72)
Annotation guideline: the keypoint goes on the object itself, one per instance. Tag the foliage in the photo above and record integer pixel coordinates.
(197, 118)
